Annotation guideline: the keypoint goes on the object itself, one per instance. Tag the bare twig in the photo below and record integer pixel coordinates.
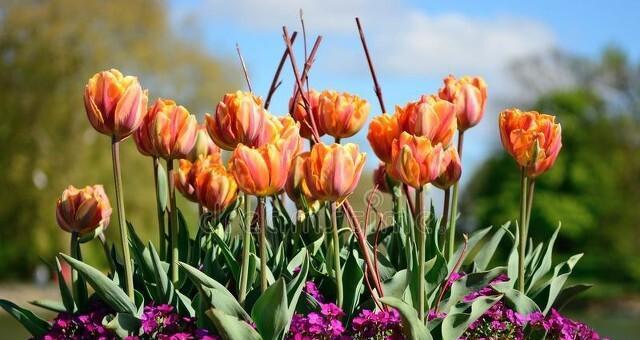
(244, 68)
(366, 213)
(377, 88)
(275, 82)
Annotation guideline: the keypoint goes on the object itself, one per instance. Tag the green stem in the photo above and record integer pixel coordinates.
(173, 223)
(75, 253)
(454, 204)
(246, 251)
(263, 244)
(421, 230)
(444, 220)
(532, 184)
(336, 254)
(124, 235)
(522, 245)
(162, 236)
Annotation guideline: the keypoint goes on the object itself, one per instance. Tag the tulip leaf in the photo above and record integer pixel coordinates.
(108, 291)
(54, 306)
(547, 295)
(65, 293)
(474, 239)
(568, 294)
(470, 283)
(352, 281)
(545, 265)
(122, 324)
(396, 286)
(161, 186)
(458, 320)
(485, 254)
(295, 286)
(164, 287)
(271, 311)
(229, 258)
(230, 327)
(412, 326)
(31, 322)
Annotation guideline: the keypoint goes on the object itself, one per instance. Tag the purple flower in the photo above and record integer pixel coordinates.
(311, 289)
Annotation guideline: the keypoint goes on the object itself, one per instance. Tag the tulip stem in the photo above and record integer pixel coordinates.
(124, 235)
(336, 254)
(173, 223)
(420, 226)
(444, 219)
(454, 204)
(246, 251)
(75, 279)
(263, 244)
(532, 183)
(522, 245)
(162, 236)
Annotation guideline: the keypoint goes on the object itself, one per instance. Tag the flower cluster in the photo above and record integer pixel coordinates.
(377, 325)
(82, 325)
(162, 322)
(325, 325)
(561, 328)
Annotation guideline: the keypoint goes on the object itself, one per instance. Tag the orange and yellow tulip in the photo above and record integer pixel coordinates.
(187, 172)
(332, 171)
(453, 169)
(300, 114)
(239, 119)
(172, 132)
(469, 97)
(415, 161)
(429, 117)
(296, 186)
(216, 188)
(115, 104)
(382, 131)
(83, 210)
(533, 139)
(342, 115)
(204, 146)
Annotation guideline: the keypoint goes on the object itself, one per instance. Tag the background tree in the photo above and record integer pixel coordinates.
(48, 50)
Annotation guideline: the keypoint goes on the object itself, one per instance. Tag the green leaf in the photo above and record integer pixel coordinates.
(295, 286)
(457, 321)
(568, 294)
(65, 293)
(352, 281)
(140, 254)
(270, 312)
(516, 300)
(470, 283)
(396, 285)
(413, 327)
(230, 327)
(183, 237)
(122, 324)
(485, 254)
(161, 186)
(553, 287)
(31, 322)
(545, 265)
(108, 291)
(475, 237)
(164, 287)
(229, 258)
(54, 306)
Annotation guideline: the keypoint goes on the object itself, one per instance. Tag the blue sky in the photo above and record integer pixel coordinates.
(414, 45)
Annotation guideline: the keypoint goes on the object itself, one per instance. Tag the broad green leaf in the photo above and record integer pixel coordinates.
(545, 265)
(140, 254)
(230, 327)
(295, 286)
(568, 294)
(396, 285)
(485, 254)
(122, 324)
(413, 327)
(164, 287)
(458, 320)
(475, 237)
(31, 322)
(65, 292)
(54, 306)
(108, 291)
(271, 311)
(161, 186)
(553, 287)
(516, 300)
(512, 262)
(470, 283)
(230, 259)
(352, 278)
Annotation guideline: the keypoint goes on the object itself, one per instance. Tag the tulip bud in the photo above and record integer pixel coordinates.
(534, 140)
(429, 117)
(215, 188)
(415, 161)
(187, 172)
(173, 130)
(342, 115)
(382, 131)
(204, 146)
(382, 180)
(239, 119)
(332, 171)
(296, 186)
(83, 210)
(300, 114)
(115, 104)
(469, 96)
(453, 170)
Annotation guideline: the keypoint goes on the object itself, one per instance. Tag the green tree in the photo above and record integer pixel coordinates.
(48, 50)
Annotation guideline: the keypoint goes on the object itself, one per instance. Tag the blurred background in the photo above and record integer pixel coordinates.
(577, 60)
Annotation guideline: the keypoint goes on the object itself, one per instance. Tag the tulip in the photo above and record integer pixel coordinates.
(204, 146)
(187, 172)
(296, 187)
(83, 210)
(239, 119)
(342, 115)
(332, 171)
(452, 172)
(532, 139)
(115, 104)
(382, 131)
(216, 188)
(415, 161)
(429, 117)
(172, 131)
(382, 180)
(300, 114)
(469, 97)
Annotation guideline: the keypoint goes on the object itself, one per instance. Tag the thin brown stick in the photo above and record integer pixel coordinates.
(376, 85)
(244, 68)
(366, 214)
(275, 83)
(455, 268)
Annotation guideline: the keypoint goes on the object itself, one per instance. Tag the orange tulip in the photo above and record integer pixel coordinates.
(415, 161)
(187, 172)
(382, 179)
(239, 119)
(216, 188)
(469, 96)
(172, 132)
(300, 114)
(429, 117)
(382, 131)
(83, 210)
(332, 171)
(453, 170)
(342, 114)
(115, 104)
(296, 186)
(533, 139)
(204, 146)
